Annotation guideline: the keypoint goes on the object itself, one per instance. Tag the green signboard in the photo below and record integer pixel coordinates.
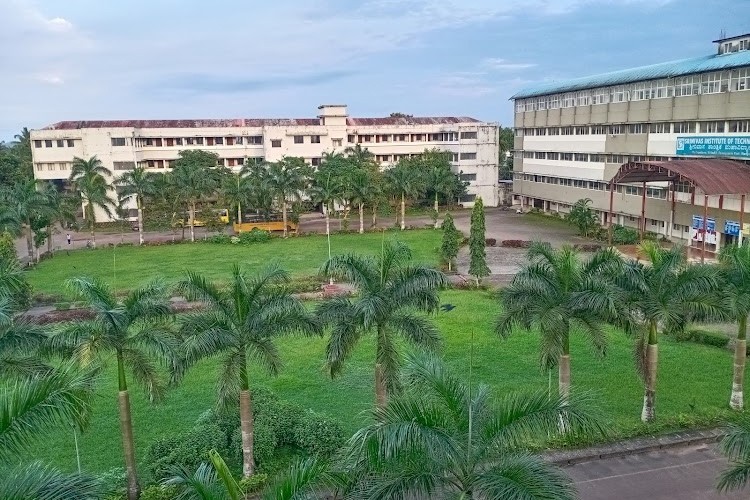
(737, 146)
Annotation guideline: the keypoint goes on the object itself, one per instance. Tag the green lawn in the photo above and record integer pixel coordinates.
(127, 267)
(693, 385)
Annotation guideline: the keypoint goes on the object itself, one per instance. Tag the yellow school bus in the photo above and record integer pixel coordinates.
(221, 213)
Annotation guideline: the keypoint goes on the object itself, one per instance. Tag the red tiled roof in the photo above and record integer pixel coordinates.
(253, 122)
(712, 175)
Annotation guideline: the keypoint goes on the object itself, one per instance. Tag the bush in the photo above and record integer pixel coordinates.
(188, 450)
(588, 247)
(318, 434)
(621, 235)
(490, 242)
(515, 244)
(254, 236)
(7, 247)
(252, 484)
(157, 492)
(706, 337)
(114, 483)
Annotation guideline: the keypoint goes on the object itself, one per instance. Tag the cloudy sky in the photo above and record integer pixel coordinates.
(94, 59)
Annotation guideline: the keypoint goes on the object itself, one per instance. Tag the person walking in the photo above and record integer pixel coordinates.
(67, 236)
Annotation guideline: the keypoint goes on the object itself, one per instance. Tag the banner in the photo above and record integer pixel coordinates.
(712, 145)
(731, 228)
(698, 229)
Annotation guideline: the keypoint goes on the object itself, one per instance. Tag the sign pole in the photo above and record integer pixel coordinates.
(742, 219)
(611, 203)
(643, 211)
(705, 228)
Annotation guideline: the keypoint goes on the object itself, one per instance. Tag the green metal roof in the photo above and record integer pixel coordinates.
(653, 72)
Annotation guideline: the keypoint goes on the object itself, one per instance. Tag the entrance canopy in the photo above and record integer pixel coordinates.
(711, 176)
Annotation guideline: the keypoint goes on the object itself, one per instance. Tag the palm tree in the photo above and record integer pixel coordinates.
(260, 194)
(362, 190)
(138, 333)
(236, 190)
(20, 344)
(195, 176)
(446, 439)
(240, 323)
(403, 181)
(212, 481)
(440, 179)
(664, 295)
(60, 208)
(735, 263)
(558, 293)
(89, 179)
(324, 191)
(137, 184)
(287, 178)
(22, 203)
(735, 446)
(390, 293)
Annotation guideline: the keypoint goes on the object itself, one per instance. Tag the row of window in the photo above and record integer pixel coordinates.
(588, 157)
(651, 192)
(437, 137)
(50, 167)
(60, 143)
(707, 83)
(709, 127)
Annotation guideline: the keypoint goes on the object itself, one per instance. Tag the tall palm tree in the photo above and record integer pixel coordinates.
(440, 179)
(558, 293)
(60, 208)
(362, 190)
(361, 158)
(21, 204)
(325, 192)
(735, 263)
(239, 324)
(735, 446)
(663, 296)
(403, 180)
(260, 194)
(390, 294)
(444, 438)
(287, 178)
(236, 190)
(195, 176)
(136, 331)
(137, 184)
(89, 177)
(20, 345)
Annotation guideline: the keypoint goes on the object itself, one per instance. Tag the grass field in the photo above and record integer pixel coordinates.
(126, 267)
(693, 384)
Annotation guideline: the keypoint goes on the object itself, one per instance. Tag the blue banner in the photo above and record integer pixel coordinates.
(732, 228)
(713, 145)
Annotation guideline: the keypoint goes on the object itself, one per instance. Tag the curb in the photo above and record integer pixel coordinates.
(634, 446)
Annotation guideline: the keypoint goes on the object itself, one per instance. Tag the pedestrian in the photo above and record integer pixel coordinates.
(68, 238)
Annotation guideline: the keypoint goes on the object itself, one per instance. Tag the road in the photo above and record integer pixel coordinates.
(675, 474)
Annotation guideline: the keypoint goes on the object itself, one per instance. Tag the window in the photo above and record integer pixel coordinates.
(581, 157)
(582, 131)
(739, 126)
(123, 165)
(219, 140)
(350, 138)
(553, 155)
(712, 127)
(554, 131)
(568, 100)
(468, 135)
(37, 144)
(468, 177)
(597, 158)
(238, 141)
(684, 128)
(199, 141)
(528, 154)
(583, 98)
(741, 80)
(617, 159)
(468, 156)
(711, 83)
(566, 130)
(540, 131)
(638, 128)
(336, 142)
(519, 132)
(566, 156)
(299, 139)
(189, 141)
(467, 198)
(118, 141)
(599, 96)
(615, 129)
(50, 166)
(71, 143)
(39, 166)
(178, 141)
(599, 130)
(687, 85)
(275, 143)
(659, 128)
(60, 143)
(209, 141)
(315, 162)
(63, 166)
(540, 155)
(255, 139)
(47, 144)
(315, 139)
(618, 94)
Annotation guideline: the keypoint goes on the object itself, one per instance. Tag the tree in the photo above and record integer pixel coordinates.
(236, 190)
(196, 177)
(60, 208)
(88, 178)
(506, 160)
(390, 293)
(240, 323)
(260, 194)
(558, 294)
(21, 204)
(212, 481)
(735, 446)
(324, 191)
(583, 217)
(362, 190)
(137, 184)
(441, 181)
(735, 264)
(136, 332)
(663, 296)
(478, 258)
(287, 178)
(451, 240)
(444, 438)
(403, 181)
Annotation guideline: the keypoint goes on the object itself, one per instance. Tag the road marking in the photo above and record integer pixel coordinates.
(616, 476)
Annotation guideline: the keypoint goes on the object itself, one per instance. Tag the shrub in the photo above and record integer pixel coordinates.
(251, 484)
(114, 483)
(588, 247)
(220, 239)
(158, 492)
(254, 236)
(515, 244)
(188, 450)
(7, 247)
(318, 434)
(621, 235)
(490, 242)
(707, 337)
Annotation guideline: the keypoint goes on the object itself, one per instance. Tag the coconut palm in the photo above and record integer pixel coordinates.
(212, 481)
(735, 263)
(362, 190)
(137, 184)
(444, 438)
(20, 343)
(390, 294)
(260, 194)
(663, 296)
(735, 446)
(195, 176)
(89, 179)
(403, 180)
(287, 178)
(236, 190)
(136, 331)
(21, 204)
(60, 208)
(559, 293)
(239, 324)
(440, 179)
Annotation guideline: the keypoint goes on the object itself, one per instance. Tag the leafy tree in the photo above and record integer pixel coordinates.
(403, 180)
(235, 191)
(441, 181)
(260, 194)
(21, 204)
(478, 258)
(59, 208)
(136, 331)
(506, 146)
(663, 296)
(324, 191)
(239, 324)
(558, 293)
(287, 178)
(390, 294)
(362, 190)
(212, 481)
(137, 184)
(735, 446)
(451, 240)
(583, 217)
(195, 176)
(88, 178)
(735, 264)
(444, 438)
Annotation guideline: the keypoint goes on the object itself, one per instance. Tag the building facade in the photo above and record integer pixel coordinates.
(571, 137)
(155, 144)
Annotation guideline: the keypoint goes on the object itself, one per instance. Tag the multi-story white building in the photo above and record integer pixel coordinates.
(572, 137)
(155, 144)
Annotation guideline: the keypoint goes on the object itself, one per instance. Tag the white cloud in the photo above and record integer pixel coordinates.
(495, 63)
(59, 24)
(51, 79)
